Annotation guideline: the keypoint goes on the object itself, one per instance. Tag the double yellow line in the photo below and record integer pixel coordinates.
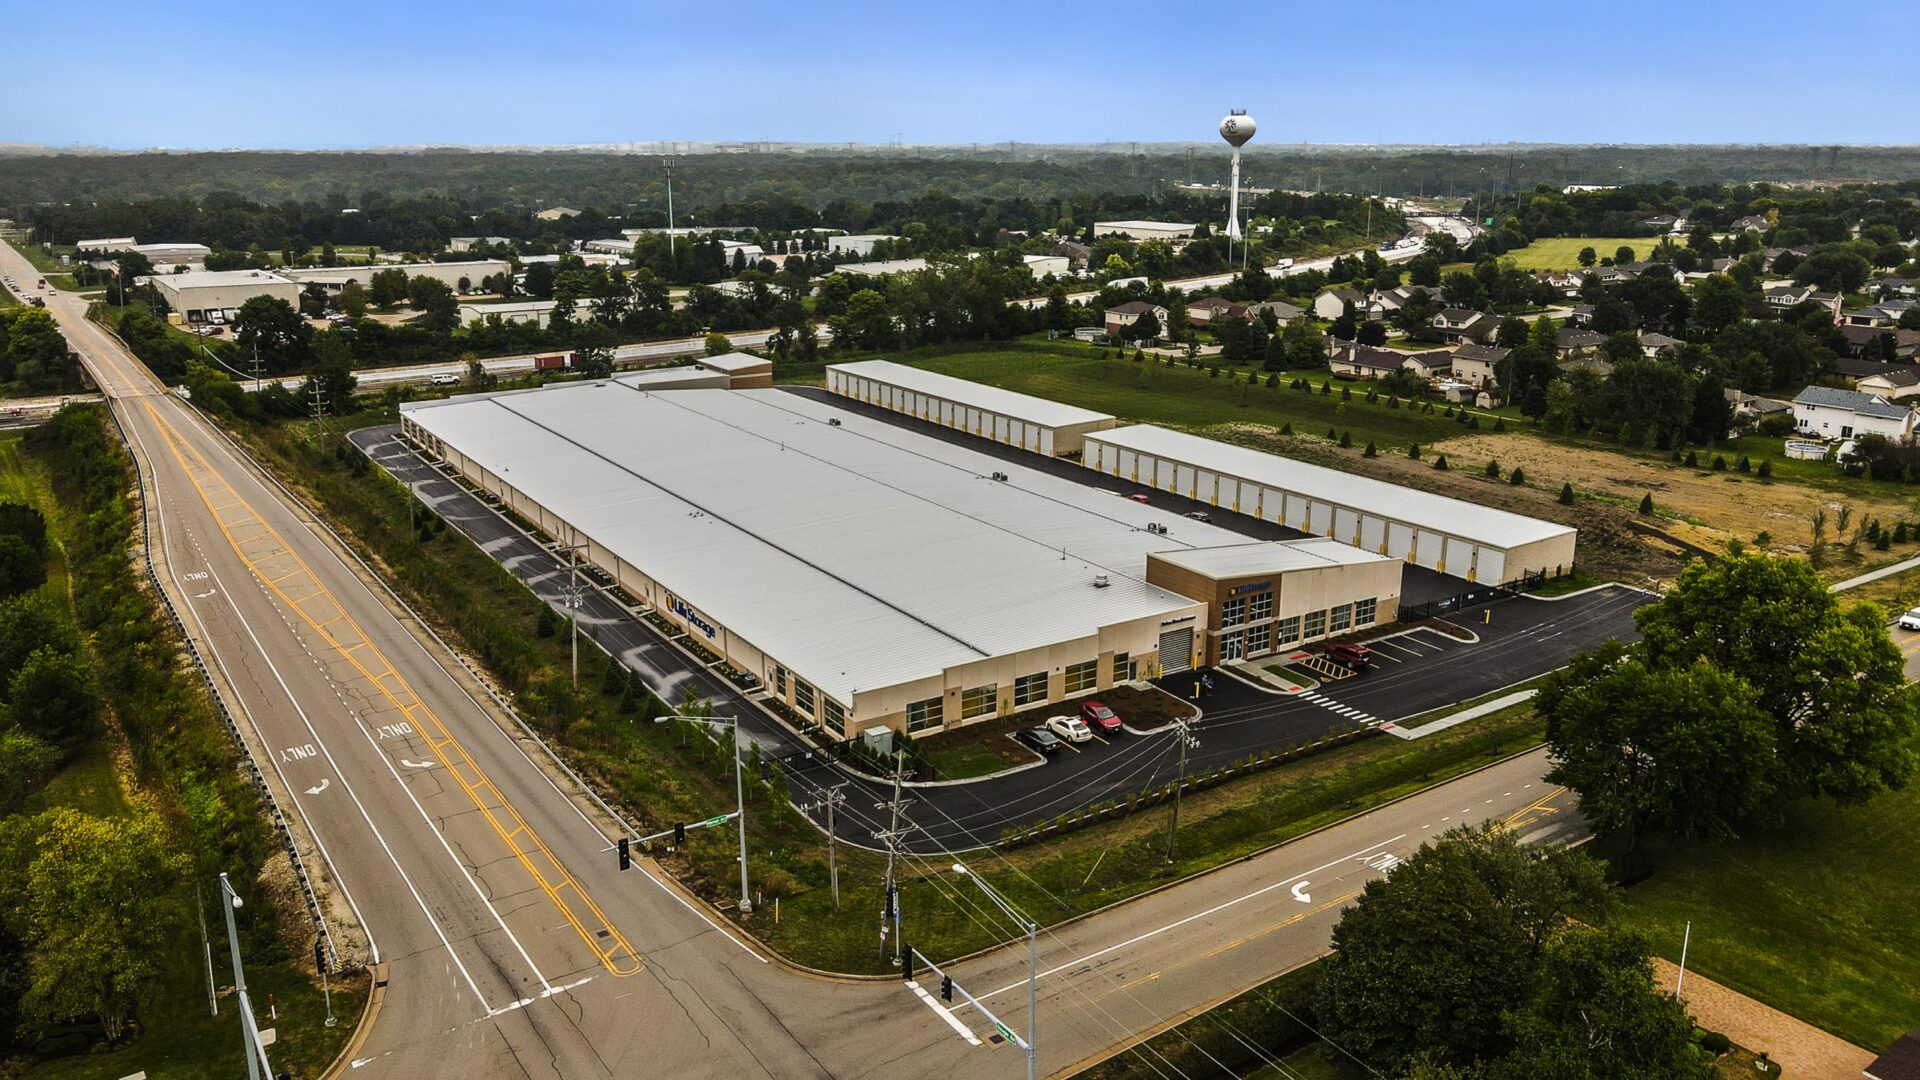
(281, 569)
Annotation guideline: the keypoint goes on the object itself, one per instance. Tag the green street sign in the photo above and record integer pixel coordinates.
(1003, 1030)
(721, 820)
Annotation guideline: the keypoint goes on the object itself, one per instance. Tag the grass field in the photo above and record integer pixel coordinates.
(1563, 252)
(1185, 397)
(1817, 921)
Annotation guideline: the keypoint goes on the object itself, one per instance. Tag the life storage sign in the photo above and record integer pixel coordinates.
(691, 617)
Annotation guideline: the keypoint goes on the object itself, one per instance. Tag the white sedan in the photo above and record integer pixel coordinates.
(1070, 728)
(1911, 620)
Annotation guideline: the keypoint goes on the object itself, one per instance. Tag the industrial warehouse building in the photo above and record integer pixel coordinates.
(1144, 230)
(202, 296)
(731, 371)
(1004, 416)
(1452, 536)
(335, 278)
(870, 575)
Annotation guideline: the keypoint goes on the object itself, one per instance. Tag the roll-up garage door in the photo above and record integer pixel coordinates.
(1204, 488)
(1492, 567)
(1427, 551)
(1032, 438)
(1346, 523)
(1373, 534)
(1183, 477)
(1459, 557)
(1126, 463)
(1229, 493)
(1399, 540)
(973, 420)
(1046, 441)
(1319, 518)
(1176, 651)
(1273, 504)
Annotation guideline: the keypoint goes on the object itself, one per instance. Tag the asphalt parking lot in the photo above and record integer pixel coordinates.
(1421, 668)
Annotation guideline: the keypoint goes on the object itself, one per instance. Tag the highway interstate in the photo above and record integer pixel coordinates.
(483, 880)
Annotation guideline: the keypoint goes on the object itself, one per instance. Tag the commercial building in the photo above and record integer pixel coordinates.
(857, 244)
(1452, 536)
(884, 266)
(1271, 597)
(869, 575)
(201, 296)
(1042, 265)
(168, 253)
(731, 371)
(537, 312)
(459, 276)
(468, 243)
(1004, 416)
(1143, 230)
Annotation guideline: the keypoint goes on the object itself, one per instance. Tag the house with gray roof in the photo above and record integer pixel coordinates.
(1829, 413)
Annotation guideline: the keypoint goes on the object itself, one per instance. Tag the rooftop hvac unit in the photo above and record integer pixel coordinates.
(1099, 581)
(833, 421)
(1000, 476)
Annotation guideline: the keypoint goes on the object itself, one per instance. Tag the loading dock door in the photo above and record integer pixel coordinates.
(1176, 651)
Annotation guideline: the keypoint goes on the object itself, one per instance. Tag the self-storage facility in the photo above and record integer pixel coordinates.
(1452, 536)
(866, 573)
(1004, 416)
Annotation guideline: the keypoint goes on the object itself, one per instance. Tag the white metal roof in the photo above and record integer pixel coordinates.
(219, 279)
(883, 266)
(735, 362)
(681, 377)
(1439, 513)
(861, 554)
(1033, 410)
(1270, 557)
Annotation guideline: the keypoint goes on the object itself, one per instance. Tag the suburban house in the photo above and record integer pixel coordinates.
(1474, 363)
(1580, 315)
(1386, 303)
(1363, 361)
(1588, 361)
(1565, 282)
(1860, 338)
(557, 213)
(1750, 223)
(1652, 345)
(1752, 408)
(1571, 341)
(1460, 324)
(1204, 311)
(1283, 312)
(1827, 413)
(1333, 303)
(1885, 313)
(1119, 318)
(1792, 296)
(1900, 1062)
(1431, 364)
(1895, 288)
(1900, 381)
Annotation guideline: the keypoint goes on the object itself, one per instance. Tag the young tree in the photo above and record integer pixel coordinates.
(51, 697)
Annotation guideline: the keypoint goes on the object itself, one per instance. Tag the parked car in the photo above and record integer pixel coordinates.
(1069, 728)
(1911, 620)
(1201, 515)
(1353, 656)
(1141, 499)
(1039, 738)
(1099, 716)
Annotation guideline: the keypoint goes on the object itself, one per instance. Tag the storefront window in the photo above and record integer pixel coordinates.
(1030, 689)
(836, 717)
(1262, 607)
(1084, 676)
(1233, 645)
(1316, 624)
(922, 715)
(979, 700)
(1122, 668)
(1234, 612)
(1364, 611)
(1286, 632)
(803, 696)
(1342, 619)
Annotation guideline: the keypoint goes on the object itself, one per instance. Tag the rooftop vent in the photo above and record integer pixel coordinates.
(1000, 476)
(833, 421)
(1099, 581)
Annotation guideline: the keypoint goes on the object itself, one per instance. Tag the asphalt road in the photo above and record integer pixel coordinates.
(1419, 670)
(514, 947)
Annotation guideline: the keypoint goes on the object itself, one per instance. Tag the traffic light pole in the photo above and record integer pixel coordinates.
(739, 794)
(1033, 964)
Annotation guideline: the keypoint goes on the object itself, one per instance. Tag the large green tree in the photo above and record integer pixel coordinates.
(1832, 681)
(1685, 750)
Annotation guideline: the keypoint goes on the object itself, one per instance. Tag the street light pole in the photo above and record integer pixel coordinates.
(250, 1033)
(1033, 961)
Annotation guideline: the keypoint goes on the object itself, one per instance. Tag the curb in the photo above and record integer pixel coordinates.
(369, 1012)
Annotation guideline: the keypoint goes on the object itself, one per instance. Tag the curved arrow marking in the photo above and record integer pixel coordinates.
(318, 788)
(416, 764)
(1300, 893)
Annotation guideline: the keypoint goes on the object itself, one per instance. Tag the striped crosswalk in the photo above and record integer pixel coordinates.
(1359, 716)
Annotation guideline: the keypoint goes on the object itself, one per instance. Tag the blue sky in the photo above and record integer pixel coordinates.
(349, 74)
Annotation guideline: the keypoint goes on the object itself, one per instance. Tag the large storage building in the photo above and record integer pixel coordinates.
(1274, 596)
(1144, 230)
(866, 573)
(335, 278)
(201, 296)
(1004, 416)
(1452, 536)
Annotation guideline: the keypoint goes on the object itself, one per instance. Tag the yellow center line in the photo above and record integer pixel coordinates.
(606, 941)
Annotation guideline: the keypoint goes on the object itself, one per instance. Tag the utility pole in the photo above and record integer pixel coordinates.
(832, 798)
(250, 1033)
(667, 164)
(1033, 963)
(1685, 940)
(574, 599)
(1182, 732)
(891, 908)
(213, 998)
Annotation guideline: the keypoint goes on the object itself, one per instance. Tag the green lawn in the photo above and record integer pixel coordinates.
(1563, 252)
(1179, 396)
(1818, 920)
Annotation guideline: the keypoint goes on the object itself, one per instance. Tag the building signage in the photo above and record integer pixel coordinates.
(1176, 622)
(1251, 586)
(681, 608)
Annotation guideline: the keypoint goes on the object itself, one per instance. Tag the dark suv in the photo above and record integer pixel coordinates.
(1353, 656)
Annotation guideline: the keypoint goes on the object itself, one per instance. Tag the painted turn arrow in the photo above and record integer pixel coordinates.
(318, 788)
(1300, 892)
(416, 764)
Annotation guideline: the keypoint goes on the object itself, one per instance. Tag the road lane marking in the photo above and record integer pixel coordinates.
(945, 1013)
(618, 956)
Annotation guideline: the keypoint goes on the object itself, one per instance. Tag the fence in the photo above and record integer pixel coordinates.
(1477, 596)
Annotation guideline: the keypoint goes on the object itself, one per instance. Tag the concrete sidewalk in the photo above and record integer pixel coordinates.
(1803, 1051)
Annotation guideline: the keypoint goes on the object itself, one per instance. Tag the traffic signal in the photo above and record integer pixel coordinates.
(626, 855)
(906, 964)
(679, 834)
(946, 988)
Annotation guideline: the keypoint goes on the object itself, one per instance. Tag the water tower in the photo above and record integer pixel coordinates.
(1237, 128)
